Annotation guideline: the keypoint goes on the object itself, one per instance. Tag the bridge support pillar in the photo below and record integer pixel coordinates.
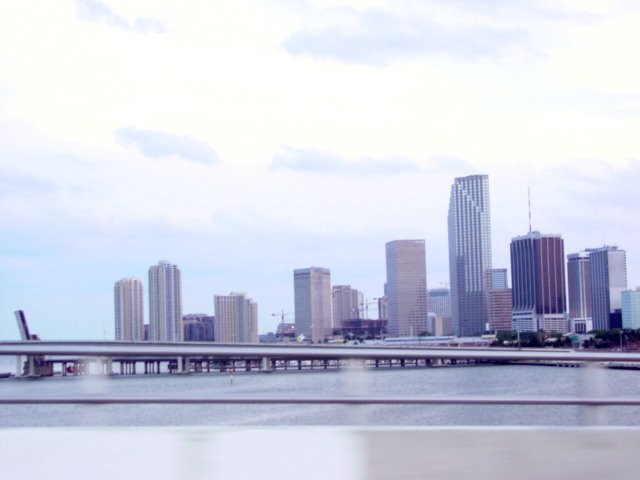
(32, 366)
(266, 364)
(107, 365)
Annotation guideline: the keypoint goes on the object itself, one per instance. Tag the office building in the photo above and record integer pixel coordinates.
(165, 303)
(406, 287)
(347, 303)
(236, 319)
(579, 287)
(608, 281)
(469, 223)
(198, 327)
(439, 301)
(129, 310)
(631, 309)
(538, 283)
(500, 301)
(312, 298)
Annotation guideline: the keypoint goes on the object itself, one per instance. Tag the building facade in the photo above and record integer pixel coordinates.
(538, 283)
(406, 287)
(129, 310)
(312, 298)
(500, 301)
(198, 327)
(165, 303)
(631, 309)
(469, 225)
(440, 301)
(579, 287)
(608, 281)
(235, 319)
(347, 303)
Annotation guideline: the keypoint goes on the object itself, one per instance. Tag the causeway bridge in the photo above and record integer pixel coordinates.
(76, 357)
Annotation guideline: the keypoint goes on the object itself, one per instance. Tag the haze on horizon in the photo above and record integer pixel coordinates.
(243, 140)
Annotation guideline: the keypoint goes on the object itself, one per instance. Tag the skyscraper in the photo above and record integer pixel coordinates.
(346, 303)
(500, 301)
(129, 310)
(469, 222)
(406, 287)
(608, 280)
(579, 286)
(439, 301)
(236, 319)
(538, 283)
(312, 297)
(165, 303)
(631, 309)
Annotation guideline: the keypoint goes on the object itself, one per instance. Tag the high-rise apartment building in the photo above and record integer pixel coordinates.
(165, 303)
(347, 303)
(608, 281)
(631, 309)
(406, 287)
(538, 283)
(469, 222)
(500, 301)
(312, 298)
(129, 310)
(579, 286)
(236, 319)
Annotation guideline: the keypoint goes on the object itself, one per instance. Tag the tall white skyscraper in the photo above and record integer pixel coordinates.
(129, 310)
(236, 319)
(407, 287)
(165, 303)
(469, 222)
(608, 281)
(312, 297)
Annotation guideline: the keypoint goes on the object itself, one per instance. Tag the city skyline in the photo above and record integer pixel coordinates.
(243, 140)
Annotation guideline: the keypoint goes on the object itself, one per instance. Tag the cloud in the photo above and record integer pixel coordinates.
(463, 29)
(155, 143)
(378, 37)
(13, 182)
(319, 161)
(97, 11)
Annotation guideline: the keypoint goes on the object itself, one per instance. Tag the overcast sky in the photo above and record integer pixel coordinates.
(241, 140)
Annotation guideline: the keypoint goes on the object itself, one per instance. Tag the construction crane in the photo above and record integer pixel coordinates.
(283, 330)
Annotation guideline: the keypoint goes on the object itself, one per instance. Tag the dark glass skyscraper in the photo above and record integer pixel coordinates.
(538, 283)
(469, 253)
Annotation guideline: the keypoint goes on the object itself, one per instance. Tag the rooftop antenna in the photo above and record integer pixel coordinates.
(529, 200)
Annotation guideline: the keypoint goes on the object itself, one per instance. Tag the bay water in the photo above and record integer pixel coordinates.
(484, 380)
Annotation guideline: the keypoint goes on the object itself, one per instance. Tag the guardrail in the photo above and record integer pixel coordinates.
(336, 400)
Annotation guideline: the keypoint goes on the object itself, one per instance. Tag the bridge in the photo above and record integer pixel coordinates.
(198, 357)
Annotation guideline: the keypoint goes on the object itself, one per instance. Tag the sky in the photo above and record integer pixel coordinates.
(243, 140)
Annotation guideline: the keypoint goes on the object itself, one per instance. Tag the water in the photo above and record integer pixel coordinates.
(448, 381)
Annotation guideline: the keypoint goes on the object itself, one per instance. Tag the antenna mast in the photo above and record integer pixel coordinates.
(529, 200)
